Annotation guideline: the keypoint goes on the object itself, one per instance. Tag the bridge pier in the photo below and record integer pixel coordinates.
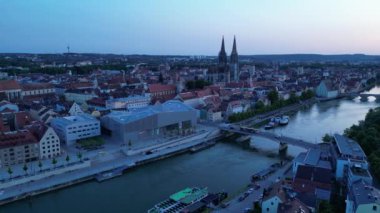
(364, 98)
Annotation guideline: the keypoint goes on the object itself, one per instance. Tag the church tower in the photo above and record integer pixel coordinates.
(222, 58)
(234, 62)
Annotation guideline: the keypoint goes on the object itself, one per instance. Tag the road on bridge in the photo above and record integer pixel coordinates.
(269, 135)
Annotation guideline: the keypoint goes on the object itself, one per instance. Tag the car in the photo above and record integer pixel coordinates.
(257, 187)
(241, 198)
(224, 205)
(250, 190)
(247, 210)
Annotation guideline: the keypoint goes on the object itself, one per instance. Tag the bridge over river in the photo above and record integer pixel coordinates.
(365, 96)
(279, 139)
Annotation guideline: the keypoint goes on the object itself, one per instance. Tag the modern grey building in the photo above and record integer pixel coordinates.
(168, 119)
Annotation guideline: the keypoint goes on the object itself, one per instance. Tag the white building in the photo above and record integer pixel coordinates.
(80, 96)
(326, 89)
(72, 128)
(50, 145)
(273, 198)
(131, 102)
(32, 89)
(75, 110)
(48, 140)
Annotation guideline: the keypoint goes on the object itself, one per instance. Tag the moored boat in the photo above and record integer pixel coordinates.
(180, 200)
(284, 120)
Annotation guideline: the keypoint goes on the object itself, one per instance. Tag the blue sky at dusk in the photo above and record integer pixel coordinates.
(190, 27)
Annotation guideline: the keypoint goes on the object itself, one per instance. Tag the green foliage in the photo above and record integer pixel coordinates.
(293, 98)
(40, 165)
(90, 143)
(54, 161)
(161, 78)
(326, 138)
(197, 84)
(25, 168)
(273, 96)
(307, 95)
(79, 155)
(259, 105)
(10, 171)
(260, 108)
(367, 134)
(326, 207)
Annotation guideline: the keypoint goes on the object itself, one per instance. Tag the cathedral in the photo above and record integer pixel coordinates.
(224, 71)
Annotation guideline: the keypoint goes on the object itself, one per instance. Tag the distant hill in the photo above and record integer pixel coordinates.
(314, 57)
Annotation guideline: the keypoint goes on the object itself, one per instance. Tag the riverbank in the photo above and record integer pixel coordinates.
(123, 160)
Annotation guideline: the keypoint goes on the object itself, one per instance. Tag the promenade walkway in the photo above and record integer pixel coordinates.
(109, 161)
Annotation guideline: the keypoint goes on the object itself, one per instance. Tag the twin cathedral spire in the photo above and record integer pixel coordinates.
(222, 58)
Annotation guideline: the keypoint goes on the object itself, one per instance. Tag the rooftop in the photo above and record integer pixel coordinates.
(347, 146)
(9, 85)
(362, 193)
(137, 114)
(189, 195)
(18, 138)
(73, 119)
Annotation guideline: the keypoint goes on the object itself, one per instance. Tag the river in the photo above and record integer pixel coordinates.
(222, 167)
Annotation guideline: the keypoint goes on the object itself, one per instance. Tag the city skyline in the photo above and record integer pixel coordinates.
(184, 28)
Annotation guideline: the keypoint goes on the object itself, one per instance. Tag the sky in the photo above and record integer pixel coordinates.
(190, 27)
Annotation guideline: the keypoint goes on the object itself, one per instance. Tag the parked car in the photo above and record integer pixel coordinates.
(224, 205)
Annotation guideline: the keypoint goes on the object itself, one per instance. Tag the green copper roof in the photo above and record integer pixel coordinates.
(189, 195)
(181, 194)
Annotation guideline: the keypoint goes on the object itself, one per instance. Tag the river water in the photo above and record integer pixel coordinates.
(224, 167)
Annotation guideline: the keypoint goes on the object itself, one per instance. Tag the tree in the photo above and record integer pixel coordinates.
(10, 172)
(161, 78)
(273, 96)
(130, 144)
(54, 162)
(25, 168)
(307, 95)
(79, 155)
(326, 138)
(293, 98)
(67, 158)
(40, 165)
(259, 105)
(197, 84)
(325, 207)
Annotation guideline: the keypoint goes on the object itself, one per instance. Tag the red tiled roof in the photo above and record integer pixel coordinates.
(22, 119)
(187, 95)
(97, 102)
(16, 139)
(34, 86)
(161, 87)
(9, 85)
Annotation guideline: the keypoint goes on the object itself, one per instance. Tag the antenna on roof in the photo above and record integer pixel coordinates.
(68, 49)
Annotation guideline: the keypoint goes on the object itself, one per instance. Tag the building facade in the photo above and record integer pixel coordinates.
(73, 128)
(129, 103)
(37, 89)
(18, 147)
(169, 118)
